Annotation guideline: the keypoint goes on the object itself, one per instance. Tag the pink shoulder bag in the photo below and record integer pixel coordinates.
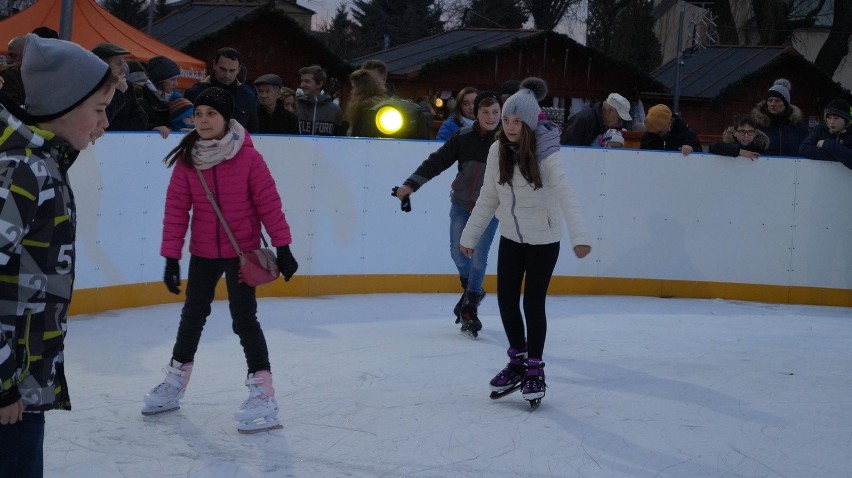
(257, 267)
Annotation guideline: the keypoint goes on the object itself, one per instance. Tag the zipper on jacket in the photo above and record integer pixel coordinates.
(314, 120)
(514, 216)
(25, 367)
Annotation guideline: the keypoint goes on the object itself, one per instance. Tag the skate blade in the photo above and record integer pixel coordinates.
(510, 390)
(262, 428)
(148, 411)
(534, 403)
(469, 333)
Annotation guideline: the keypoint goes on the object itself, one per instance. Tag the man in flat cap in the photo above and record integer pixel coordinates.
(125, 113)
(272, 116)
(68, 91)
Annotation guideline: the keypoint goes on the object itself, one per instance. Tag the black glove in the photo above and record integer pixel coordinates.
(172, 276)
(287, 264)
(405, 205)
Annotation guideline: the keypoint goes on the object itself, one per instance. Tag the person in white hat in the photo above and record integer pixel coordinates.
(68, 90)
(584, 127)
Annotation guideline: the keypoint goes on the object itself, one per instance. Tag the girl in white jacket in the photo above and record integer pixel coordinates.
(526, 187)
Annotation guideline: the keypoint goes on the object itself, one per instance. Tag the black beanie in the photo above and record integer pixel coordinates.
(481, 96)
(218, 99)
(839, 107)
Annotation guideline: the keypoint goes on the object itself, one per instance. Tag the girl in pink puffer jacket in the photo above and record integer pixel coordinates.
(240, 181)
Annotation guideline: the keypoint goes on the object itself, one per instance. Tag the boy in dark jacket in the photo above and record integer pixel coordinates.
(831, 141)
(665, 131)
(468, 149)
(742, 139)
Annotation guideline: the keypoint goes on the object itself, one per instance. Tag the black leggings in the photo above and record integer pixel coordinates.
(536, 262)
(201, 283)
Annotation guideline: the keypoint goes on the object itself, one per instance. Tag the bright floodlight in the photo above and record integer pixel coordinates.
(388, 120)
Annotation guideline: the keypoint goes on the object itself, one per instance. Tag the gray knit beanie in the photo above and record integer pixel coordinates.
(780, 89)
(59, 76)
(524, 103)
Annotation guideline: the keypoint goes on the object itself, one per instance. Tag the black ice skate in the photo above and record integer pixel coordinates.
(469, 314)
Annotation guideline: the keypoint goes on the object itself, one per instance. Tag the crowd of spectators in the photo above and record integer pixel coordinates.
(147, 99)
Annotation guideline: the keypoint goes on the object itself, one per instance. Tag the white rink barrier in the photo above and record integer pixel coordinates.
(776, 229)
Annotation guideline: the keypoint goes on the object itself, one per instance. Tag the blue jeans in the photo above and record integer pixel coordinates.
(470, 268)
(22, 448)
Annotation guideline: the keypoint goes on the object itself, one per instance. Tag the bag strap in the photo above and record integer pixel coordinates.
(219, 213)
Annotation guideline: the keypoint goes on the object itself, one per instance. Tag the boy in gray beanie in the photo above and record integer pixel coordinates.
(68, 89)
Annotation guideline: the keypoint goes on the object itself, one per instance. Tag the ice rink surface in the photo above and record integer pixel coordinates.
(385, 386)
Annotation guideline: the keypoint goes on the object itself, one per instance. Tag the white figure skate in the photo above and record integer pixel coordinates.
(166, 396)
(260, 411)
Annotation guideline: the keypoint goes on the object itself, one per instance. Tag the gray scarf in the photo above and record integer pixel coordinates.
(209, 152)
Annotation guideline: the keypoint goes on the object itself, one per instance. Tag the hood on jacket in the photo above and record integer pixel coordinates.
(546, 139)
(23, 135)
(762, 117)
(760, 140)
(322, 99)
(26, 135)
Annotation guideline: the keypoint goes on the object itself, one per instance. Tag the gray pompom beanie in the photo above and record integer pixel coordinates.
(59, 76)
(524, 103)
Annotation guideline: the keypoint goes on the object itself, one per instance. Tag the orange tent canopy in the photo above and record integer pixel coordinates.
(92, 25)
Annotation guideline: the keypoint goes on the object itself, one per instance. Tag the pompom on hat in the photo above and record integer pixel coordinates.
(780, 89)
(524, 103)
(218, 99)
(59, 76)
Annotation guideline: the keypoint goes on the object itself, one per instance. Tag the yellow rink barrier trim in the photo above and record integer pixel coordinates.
(89, 301)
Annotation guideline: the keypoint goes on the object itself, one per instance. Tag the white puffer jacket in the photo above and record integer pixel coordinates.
(526, 215)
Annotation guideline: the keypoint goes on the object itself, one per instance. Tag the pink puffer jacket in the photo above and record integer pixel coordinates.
(246, 193)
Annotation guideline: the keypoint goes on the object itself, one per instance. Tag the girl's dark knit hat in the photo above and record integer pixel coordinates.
(218, 99)
(839, 108)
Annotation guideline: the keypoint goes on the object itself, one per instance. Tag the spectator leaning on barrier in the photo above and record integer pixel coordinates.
(69, 90)
(272, 116)
(742, 139)
(462, 115)
(125, 112)
(584, 127)
(665, 131)
(366, 93)
(163, 73)
(288, 99)
(782, 121)
(226, 67)
(831, 141)
(317, 112)
(10, 74)
(379, 70)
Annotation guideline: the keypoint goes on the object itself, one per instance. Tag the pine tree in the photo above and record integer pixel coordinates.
(401, 22)
(624, 30)
(338, 33)
(495, 14)
(636, 42)
(132, 12)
